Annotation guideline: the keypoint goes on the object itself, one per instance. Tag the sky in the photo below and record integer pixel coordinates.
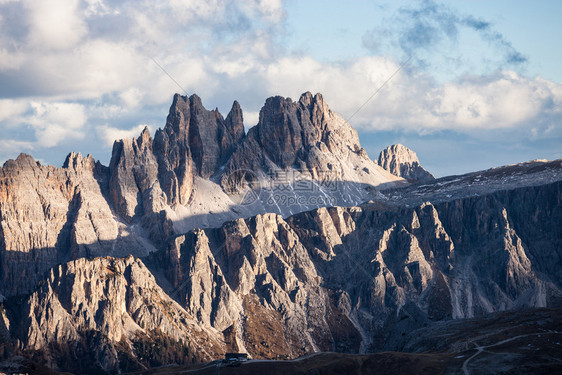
(473, 84)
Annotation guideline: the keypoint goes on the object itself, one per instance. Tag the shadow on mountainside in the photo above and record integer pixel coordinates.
(520, 342)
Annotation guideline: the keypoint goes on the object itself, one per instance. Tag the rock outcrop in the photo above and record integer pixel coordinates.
(277, 277)
(306, 137)
(258, 266)
(403, 162)
(155, 188)
(350, 278)
(194, 141)
(50, 215)
(134, 186)
(114, 309)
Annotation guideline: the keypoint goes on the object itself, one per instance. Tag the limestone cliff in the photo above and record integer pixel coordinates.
(305, 136)
(49, 215)
(332, 279)
(362, 266)
(403, 162)
(276, 278)
(105, 314)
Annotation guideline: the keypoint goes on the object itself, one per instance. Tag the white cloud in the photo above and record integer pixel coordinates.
(10, 60)
(270, 10)
(55, 24)
(100, 52)
(9, 146)
(11, 110)
(98, 8)
(91, 70)
(110, 134)
(251, 118)
(54, 122)
(70, 52)
(106, 111)
(504, 101)
(411, 101)
(131, 97)
(70, 115)
(193, 9)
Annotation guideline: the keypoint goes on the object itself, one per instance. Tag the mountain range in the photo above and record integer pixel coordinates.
(279, 242)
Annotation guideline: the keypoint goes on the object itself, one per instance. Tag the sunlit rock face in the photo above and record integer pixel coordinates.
(50, 215)
(332, 279)
(205, 240)
(403, 162)
(308, 137)
(113, 307)
(184, 178)
(378, 273)
(198, 169)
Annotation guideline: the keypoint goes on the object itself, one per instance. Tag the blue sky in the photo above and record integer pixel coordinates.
(531, 27)
(482, 86)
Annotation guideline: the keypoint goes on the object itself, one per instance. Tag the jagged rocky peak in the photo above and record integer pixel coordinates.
(78, 163)
(49, 215)
(210, 138)
(147, 175)
(64, 314)
(403, 162)
(195, 141)
(22, 161)
(286, 129)
(305, 136)
(235, 122)
(133, 175)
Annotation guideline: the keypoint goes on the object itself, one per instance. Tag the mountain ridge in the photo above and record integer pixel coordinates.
(159, 251)
(310, 257)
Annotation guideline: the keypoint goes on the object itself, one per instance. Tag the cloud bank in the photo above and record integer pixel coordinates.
(95, 67)
(439, 37)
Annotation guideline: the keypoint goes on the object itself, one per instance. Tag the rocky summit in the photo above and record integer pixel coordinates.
(403, 162)
(280, 242)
